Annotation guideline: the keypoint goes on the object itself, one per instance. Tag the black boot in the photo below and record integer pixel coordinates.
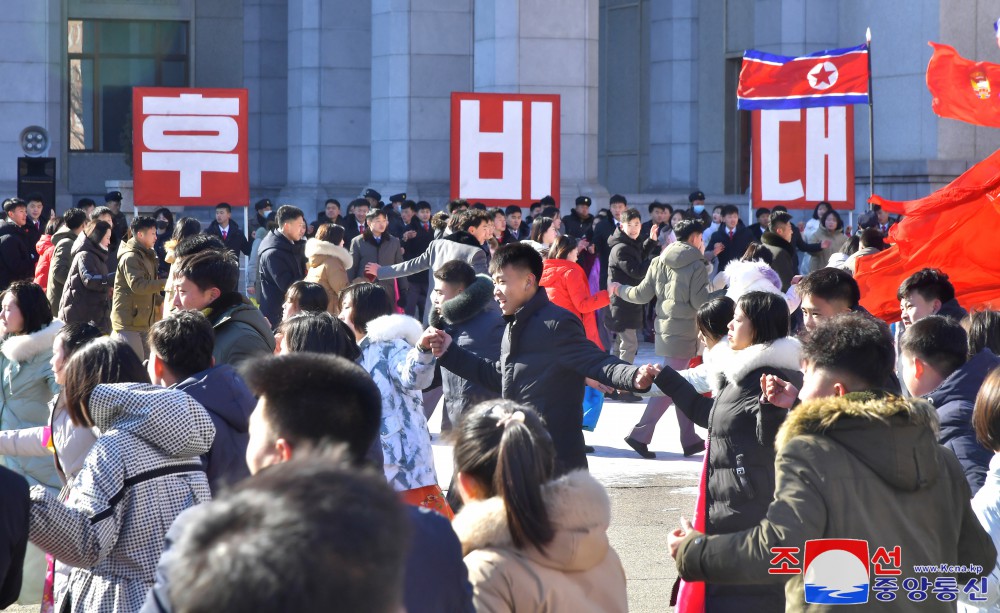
(640, 448)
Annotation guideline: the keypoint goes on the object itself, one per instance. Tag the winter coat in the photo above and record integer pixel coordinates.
(136, 304)
(784, 259)
(851, 265)
(474, 323)
(576, 226)
(44, 247)
(740, 461)
(365, 249)
(353, 229)
(577, 571)
(603, 230)
(59, 265)
(986, 504)
(678, 279)
(253, 264)
(735, 246)
(13, 534)
(456, 246)
(87, 295)
(27, 386)
(160, 247)
(821, 258)
(17, 255)
(954, 400)
(416, 246)
(854, 467)
(229, 403)
(544, 358)
(142, 472)
(627, 264)
(567, 287)
(952, 310)
(327, 264)
(279, 267)
(235, 240)
(401, 372)
(241, 332)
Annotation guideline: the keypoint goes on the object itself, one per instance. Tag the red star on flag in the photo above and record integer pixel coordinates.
(823, 76)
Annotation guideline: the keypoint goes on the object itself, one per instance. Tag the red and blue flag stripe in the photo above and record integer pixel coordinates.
(835, 77)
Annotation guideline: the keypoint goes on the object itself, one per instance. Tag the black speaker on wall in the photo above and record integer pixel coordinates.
(37, 175)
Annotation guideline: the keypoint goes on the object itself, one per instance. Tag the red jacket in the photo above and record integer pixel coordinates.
(44, 247)
(567, 286)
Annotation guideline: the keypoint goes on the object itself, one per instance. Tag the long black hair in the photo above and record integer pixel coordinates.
(768, 314)
(539, 226)
(368, 301)
(505, 447)
(713, 317)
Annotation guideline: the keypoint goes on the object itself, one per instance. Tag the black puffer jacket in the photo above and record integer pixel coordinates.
(17, 260)
(578, 227)
(544, 357)
(13, 534)
(740, 481)
(475, 324)
(87, 294)
(627, 264)
(280, 265)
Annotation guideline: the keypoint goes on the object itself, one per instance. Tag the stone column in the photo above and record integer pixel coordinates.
(547, 46)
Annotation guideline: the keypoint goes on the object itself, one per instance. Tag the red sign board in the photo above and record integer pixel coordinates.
(190, 146)
(504, 147)
(803, 156)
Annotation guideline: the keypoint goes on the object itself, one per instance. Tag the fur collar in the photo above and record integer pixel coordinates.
(392, 327)
(772, 239)
(578, 507)
(24, 347)
(784, 353)
(315, 246)
(468, 304)
(463, 238)
(818, 416)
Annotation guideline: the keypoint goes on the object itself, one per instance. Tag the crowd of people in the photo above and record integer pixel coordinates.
(179, 437)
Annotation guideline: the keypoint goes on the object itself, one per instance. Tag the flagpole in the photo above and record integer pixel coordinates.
(871, 120)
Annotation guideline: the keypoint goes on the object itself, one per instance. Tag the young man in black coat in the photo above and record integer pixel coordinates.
(228, 230)
(545, 356)
(280, 264)
(356, 225)
(330, 214)
(627, 265)
(579, 223)
(13, 534)
(416, 240)
(603, 231)
(17, 258)
(732, 235)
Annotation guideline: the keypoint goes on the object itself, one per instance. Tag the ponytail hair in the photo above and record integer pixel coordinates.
(505, 447)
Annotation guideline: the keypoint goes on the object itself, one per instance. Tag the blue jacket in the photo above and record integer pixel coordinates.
(954, 400)
(229, 403)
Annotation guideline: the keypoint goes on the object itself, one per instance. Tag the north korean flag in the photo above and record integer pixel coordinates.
(827, 78)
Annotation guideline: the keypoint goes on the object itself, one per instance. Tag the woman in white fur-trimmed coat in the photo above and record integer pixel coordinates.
(401, 371)
(531, 542)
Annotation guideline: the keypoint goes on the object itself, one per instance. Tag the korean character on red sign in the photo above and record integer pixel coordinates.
(975, 590)
(889, 558)
(946, 589)
(784, 557)
(916, 588)
(885, 588)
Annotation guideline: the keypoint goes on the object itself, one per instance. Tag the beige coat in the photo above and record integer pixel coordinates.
(578, 571)
(821, 258)
(327, 264)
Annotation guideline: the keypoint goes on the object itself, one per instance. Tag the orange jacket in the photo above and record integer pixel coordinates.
(566, 284)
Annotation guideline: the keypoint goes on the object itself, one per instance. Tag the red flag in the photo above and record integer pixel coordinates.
(953, 229)
(962, 89)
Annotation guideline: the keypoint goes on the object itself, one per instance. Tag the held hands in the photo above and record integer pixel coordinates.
(674, 538)
(436, 341)
(778, 392)
(613, 288)
(371, 269)
(645, 375)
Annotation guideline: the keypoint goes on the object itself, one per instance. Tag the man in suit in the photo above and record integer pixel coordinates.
(355, 226)
(416, 240)
(732, 235)
(228, 230)
(884, 220)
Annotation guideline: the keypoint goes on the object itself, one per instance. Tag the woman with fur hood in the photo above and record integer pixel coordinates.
(741, 432)
(327, 262)
(401, 370)
(531, 542)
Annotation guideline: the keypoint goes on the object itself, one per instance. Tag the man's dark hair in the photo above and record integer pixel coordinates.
(938, 341)
(408, 205)
(141, 223)
(779, 208)
(311, 534)
(618, 198)
(513, 208)
(547, 200)
(421, 205)
(197, 243)
(10, 204)
(224, 205)
(74, 218)
(208, 269)
(35, 197)
(853, 346)
(297, 389)
(550, 211)
(778, 218)
(479, 205)
(630, 214)
(930, 283)
(520, 256)
(762, 211)
(287, 213)
(495, 212)
(454, 205)
(767, 313)
(457, 273)
(473, 218)
(34, 306)
(331, 201)
(656, 205)
(730, 209)
(534, 206)
(686, 227)
(318, 333)
(831, 285)
(374, 214)
(184, 341)
(101, 210)
(83, 203)
(359, 202)
(873, 238)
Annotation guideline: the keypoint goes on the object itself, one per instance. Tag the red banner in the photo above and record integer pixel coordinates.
(504, 148)
(963, 89)
(190, 146)
(803, 156)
